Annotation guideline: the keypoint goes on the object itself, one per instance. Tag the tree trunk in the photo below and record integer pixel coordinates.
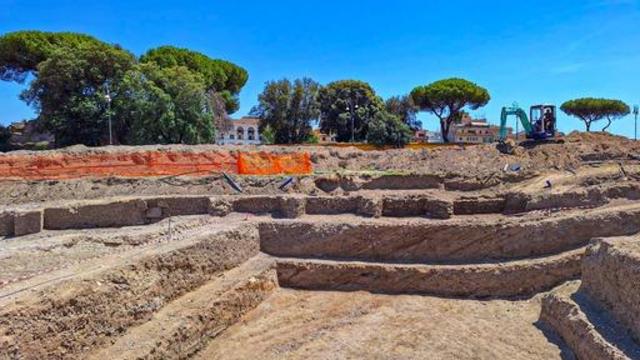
(444, 129)
(588, 123)
(608, 123)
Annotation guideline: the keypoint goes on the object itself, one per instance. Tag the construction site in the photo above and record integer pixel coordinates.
(211, 252)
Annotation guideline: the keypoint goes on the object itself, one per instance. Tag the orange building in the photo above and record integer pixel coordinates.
(475, 131)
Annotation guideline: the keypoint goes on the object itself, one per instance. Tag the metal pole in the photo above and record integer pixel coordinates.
(108, 97)
(353, 132)
(109, 117)
(635, 114)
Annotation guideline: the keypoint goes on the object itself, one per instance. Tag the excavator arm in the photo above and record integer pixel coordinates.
(520, 114)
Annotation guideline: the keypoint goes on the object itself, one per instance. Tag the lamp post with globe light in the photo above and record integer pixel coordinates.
(351, 108)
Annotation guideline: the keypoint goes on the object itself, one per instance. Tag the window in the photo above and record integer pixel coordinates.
(251, 133)
(231, 137)
(240, 132)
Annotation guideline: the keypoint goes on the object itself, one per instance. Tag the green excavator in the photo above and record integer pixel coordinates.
(539, 126)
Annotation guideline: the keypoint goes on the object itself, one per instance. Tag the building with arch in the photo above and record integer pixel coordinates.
(243, 131)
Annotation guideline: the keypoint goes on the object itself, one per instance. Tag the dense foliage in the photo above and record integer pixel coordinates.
(268, 135)
(404, 108)
(164, 106)
(70, 91)
(217, 107)
(171, 96)
(21, 52)
(446, 98)
(220, 76)
(312, 139)
(5, 136)
(590, 110)
(388, 129)
(289, 109)
(347, 107)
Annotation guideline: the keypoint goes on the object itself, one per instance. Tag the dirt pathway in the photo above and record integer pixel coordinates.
(334, 325)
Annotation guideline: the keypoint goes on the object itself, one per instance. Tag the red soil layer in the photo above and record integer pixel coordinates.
(151, 163)
(263, 163)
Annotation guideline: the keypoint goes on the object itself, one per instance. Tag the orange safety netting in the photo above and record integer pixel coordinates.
(263, 163)
(150, 163)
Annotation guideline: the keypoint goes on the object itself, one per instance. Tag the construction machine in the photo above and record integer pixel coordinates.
(539, 126)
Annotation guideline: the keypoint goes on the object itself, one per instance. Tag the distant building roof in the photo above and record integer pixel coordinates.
(247, 121)
(479, 123)
(468, 121)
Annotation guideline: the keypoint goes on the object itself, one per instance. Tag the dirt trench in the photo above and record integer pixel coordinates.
(438, 253)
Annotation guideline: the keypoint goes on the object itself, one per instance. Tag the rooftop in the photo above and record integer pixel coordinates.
(247, 121)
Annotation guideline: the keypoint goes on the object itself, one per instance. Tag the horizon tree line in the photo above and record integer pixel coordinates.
(174, 95)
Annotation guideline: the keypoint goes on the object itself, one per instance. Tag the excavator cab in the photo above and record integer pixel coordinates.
(539, 126)
(543, 122)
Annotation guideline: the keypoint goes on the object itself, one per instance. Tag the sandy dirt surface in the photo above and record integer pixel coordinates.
(578, 147)
(463, 167)
(339, 325)
(24, 257)
(68, 293)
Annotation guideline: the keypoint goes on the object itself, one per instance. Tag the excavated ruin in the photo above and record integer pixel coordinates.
(356, 264)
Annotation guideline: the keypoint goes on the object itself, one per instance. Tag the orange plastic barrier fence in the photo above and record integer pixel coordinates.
(150, 163)
(263, 163)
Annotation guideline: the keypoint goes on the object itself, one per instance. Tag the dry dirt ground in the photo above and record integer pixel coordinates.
(460, 167)
(342, 325)
(133, 275)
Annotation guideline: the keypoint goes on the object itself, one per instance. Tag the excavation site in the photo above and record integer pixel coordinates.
(314, 252)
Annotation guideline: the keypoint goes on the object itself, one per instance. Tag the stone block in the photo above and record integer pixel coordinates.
(27, 222)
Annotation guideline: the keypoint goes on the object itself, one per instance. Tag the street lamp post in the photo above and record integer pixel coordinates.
(635, 129)
(351, 109)
(108, 98)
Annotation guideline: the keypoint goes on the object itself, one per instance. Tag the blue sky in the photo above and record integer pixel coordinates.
(524, 51)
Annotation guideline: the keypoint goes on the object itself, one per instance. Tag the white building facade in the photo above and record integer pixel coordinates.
(244, 131)
(426, 136)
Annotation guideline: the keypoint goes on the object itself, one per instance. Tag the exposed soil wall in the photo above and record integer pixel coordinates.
(141, 210)
(488, 280)
(140, 163)
(442, 241)
(78, 314)
(105, 214)
(416, 205)
(479, 205)
(571, 315)
(611, 275)
(334, 205)
(6, 223)
(188, 323)
(28, 222)
(180, 205)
